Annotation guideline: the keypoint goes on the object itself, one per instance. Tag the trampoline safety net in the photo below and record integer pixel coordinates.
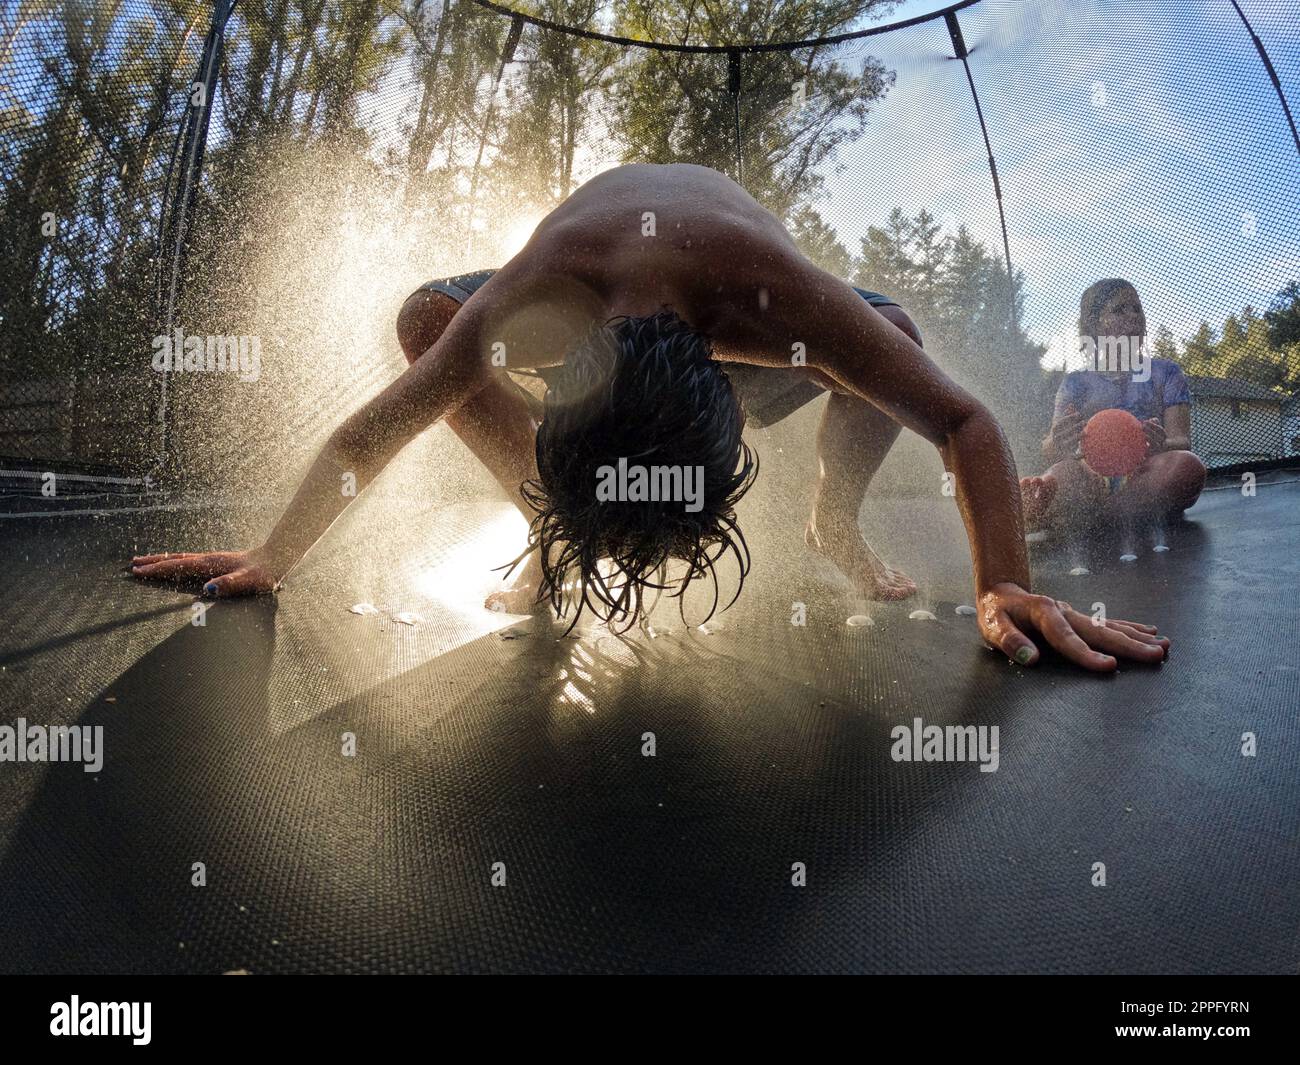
(274, 177)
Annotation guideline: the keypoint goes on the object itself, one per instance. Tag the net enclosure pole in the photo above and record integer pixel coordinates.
(174, 232)
(733, 87)
(1272, 73)
(961, 53)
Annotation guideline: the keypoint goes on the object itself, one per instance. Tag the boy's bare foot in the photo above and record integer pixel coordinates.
(1036, 494)
(520, 594)
(853, 557)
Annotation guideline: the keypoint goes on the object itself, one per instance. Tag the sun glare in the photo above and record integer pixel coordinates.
(464, 578)
(516, 234)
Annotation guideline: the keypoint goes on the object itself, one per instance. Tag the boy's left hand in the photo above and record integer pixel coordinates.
(1005, 609)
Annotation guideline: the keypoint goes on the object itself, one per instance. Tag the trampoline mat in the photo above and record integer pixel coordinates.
(491, 748)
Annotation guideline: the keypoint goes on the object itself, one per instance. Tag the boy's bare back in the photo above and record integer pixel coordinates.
(637, 239)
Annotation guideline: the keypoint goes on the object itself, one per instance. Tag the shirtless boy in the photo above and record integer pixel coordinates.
(644, 287)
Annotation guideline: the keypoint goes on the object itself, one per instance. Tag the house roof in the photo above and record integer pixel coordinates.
(1230, 388)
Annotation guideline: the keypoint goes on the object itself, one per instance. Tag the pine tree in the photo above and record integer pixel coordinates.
(1200, 353)
(885, 263)
(817, 240)
(1165, 345)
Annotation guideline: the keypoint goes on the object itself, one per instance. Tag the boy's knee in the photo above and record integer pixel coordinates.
(421, 321)
(900, 318)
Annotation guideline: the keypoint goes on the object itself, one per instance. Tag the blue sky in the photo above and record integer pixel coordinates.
(1135, 139)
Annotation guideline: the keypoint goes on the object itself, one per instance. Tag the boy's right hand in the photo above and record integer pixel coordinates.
(225, 573)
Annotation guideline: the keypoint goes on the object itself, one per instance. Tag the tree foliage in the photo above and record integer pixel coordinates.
(1261, 349)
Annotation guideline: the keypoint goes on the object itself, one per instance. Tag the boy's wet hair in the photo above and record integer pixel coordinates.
(645, 390)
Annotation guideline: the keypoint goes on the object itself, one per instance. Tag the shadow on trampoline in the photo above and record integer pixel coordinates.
(524, 754)
(16, 656)
(191, 787)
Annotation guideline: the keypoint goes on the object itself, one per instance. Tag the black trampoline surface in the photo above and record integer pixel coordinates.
(482, 739)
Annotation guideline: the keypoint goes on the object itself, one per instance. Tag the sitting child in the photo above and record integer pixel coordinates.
(1170, 478)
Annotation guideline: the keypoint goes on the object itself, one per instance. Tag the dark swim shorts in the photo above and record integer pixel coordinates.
(767, 393)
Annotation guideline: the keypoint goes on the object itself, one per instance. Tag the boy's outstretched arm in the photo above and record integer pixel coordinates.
(849, 341)
(454, 369)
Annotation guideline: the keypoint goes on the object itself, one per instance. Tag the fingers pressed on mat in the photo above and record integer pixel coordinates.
(1138, 634)
(1061, 635)
(173, 569)
(1149, 629)
(1013, 643)
(1114, 641)
(165, 556)
(239, 583)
